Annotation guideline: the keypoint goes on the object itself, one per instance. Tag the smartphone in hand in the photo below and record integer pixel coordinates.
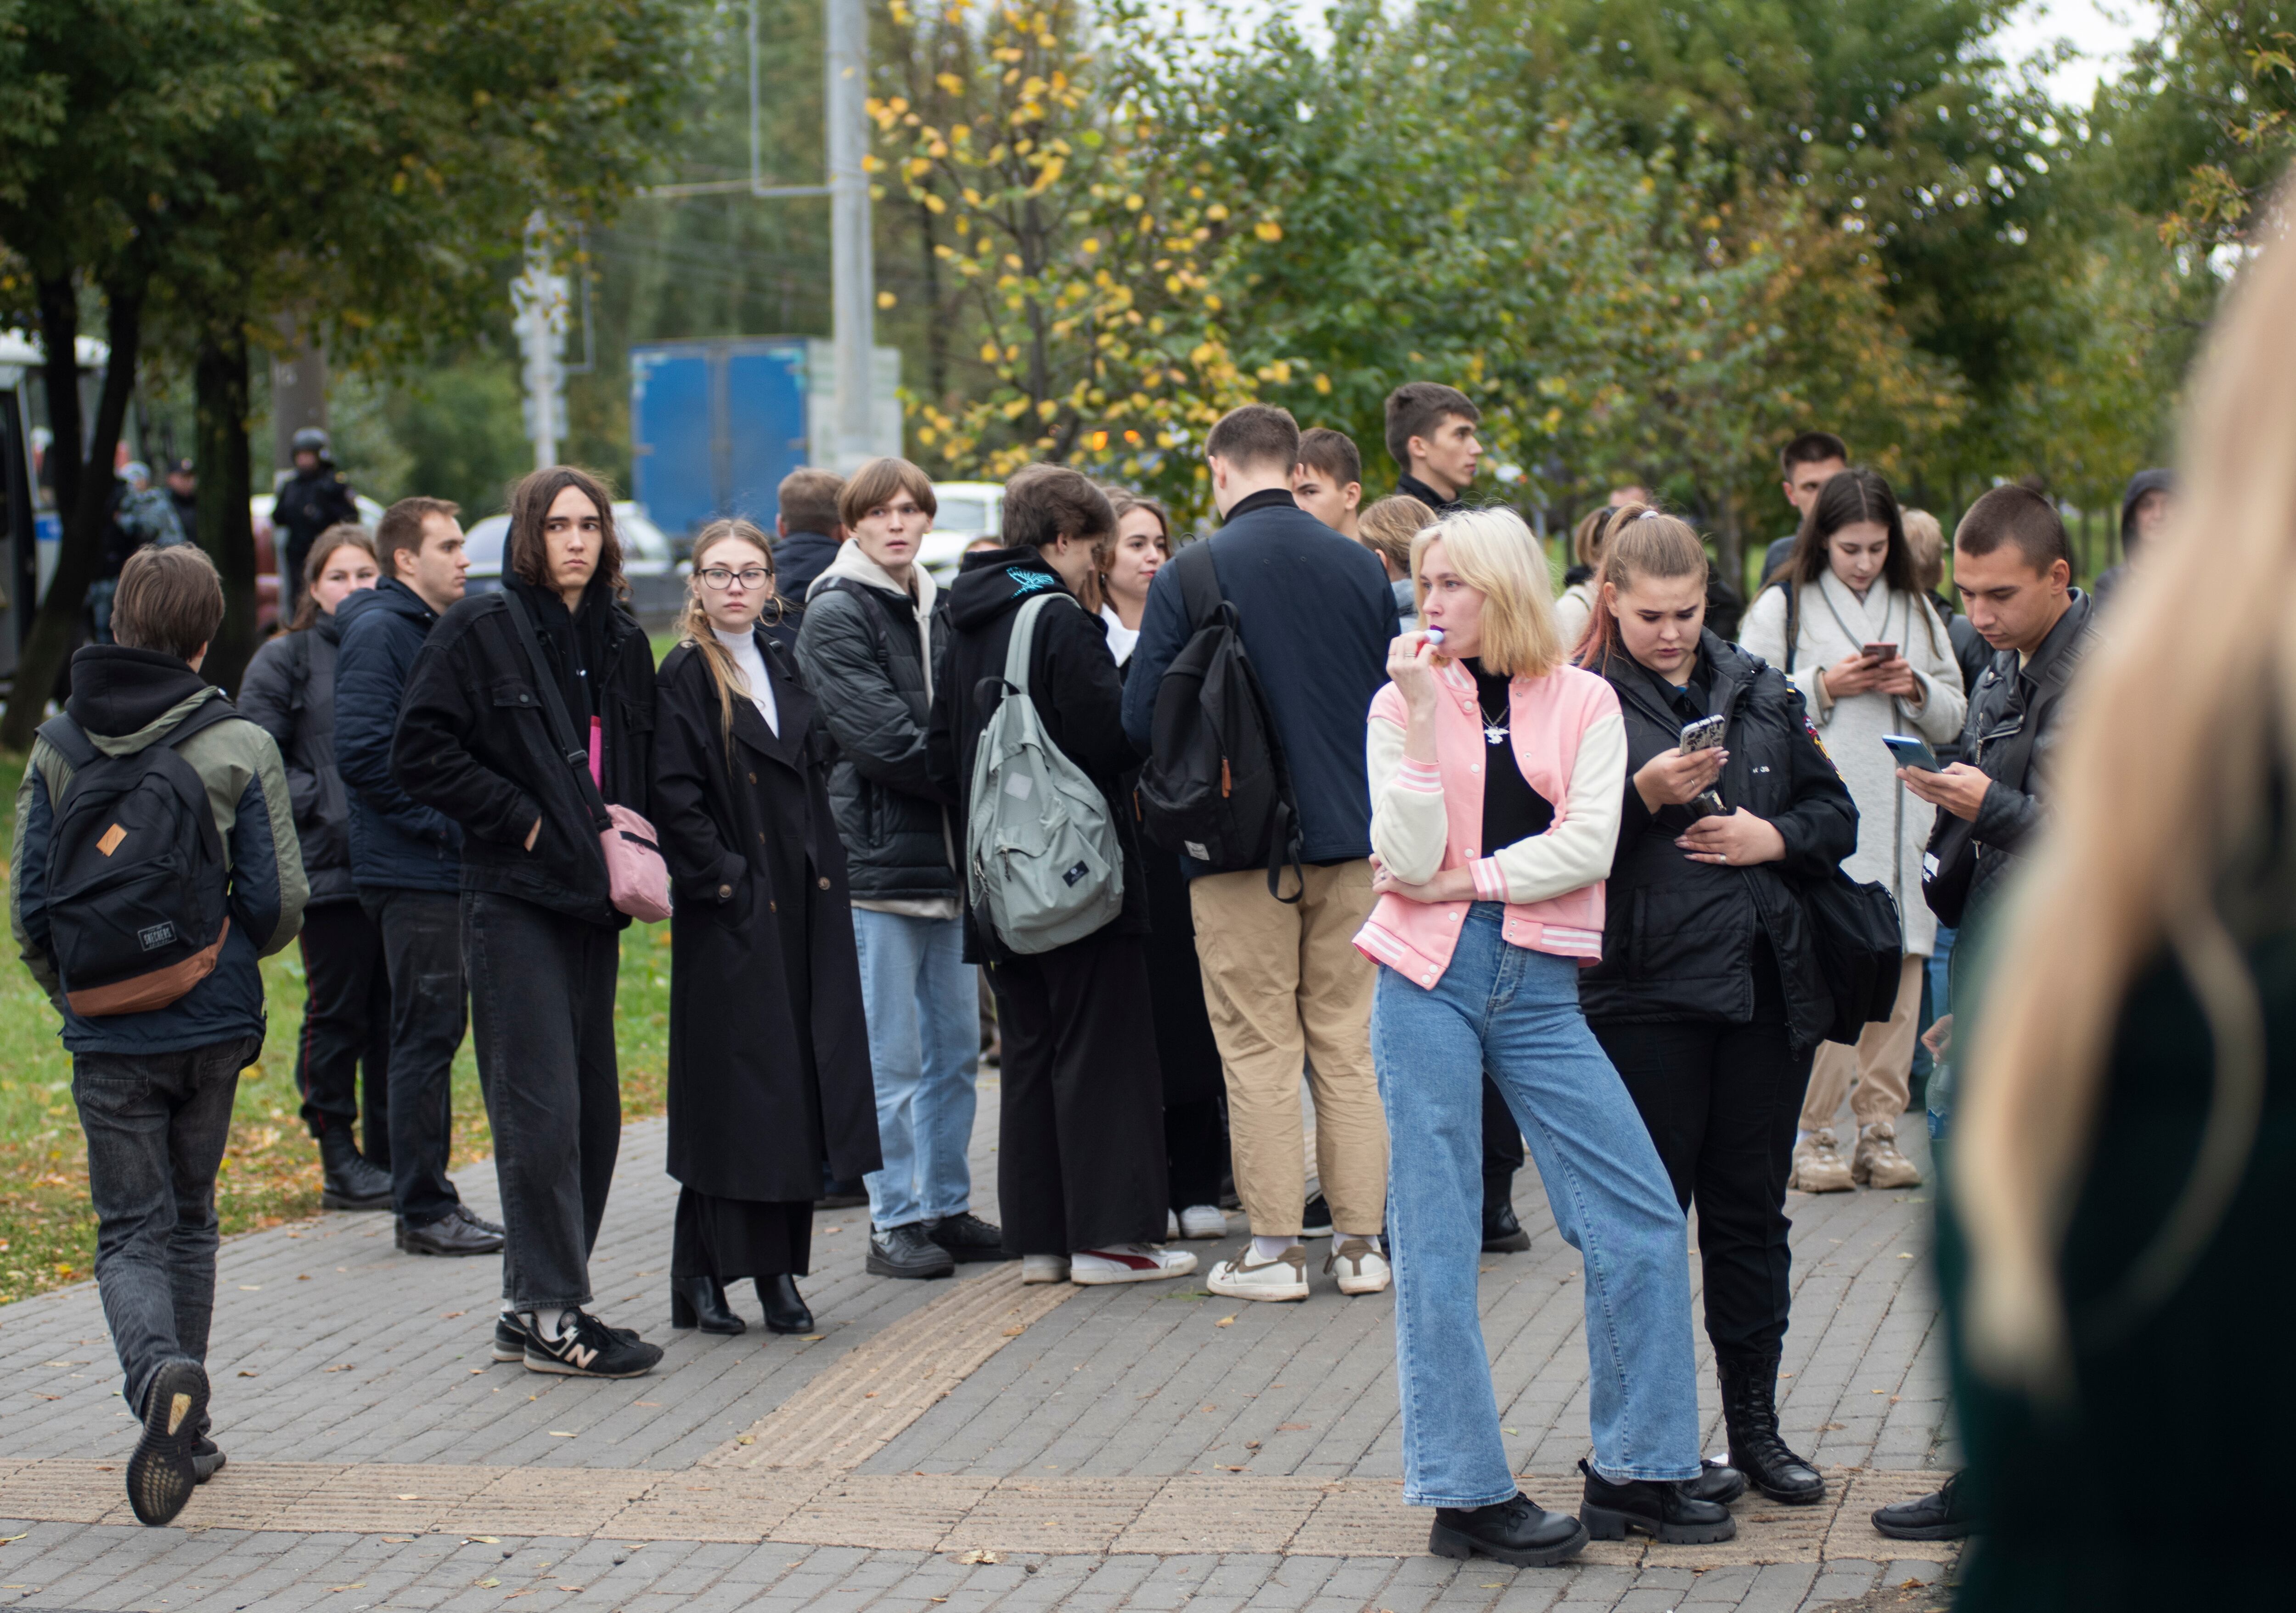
(1913, 751)
(1704, 734)
(1879, 653)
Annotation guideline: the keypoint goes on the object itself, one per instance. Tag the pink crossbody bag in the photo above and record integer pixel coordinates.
(637, 879)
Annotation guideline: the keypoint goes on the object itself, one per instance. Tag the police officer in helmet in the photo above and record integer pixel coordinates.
(309, 502)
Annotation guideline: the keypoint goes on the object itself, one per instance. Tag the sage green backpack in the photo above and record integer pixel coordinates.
(1043, 863)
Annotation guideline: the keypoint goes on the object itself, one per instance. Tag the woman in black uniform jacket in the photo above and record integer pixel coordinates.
(1708, 999)
(768, 1053)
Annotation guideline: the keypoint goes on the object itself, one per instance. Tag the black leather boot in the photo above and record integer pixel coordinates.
(701, 1301)
(1502, 1235)
(786, 1311)
(349, 1183)
(1718, 1482)
(1668, 1513)
(1749, 1410)
(1517, 1531)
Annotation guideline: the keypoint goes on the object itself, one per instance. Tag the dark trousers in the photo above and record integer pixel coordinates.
(1501, 1149)
(1721, 1103)
(346, 1024)
(156, 1126)
(1196, 1151)
(1080, 1126)
(423, 953)
(542, 1008)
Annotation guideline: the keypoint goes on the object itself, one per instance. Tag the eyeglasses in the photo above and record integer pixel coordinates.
(752, 578)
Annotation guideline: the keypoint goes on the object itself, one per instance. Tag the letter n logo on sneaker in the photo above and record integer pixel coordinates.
(581, 1355)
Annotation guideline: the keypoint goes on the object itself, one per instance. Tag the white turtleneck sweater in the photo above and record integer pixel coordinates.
(751, 664)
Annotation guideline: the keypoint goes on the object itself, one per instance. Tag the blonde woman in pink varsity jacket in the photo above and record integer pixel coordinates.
(1496, 774)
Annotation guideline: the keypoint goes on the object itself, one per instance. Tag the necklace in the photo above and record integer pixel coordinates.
(1494, 723)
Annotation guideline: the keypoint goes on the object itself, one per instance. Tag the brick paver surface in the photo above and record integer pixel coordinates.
(937, 1445)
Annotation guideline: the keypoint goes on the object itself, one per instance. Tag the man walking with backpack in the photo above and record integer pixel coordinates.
(1282, 978)
(155, 862)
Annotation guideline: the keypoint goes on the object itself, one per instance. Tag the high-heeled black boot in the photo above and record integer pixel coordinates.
(702, 1301)
(1749, 1411)
(786, 1311)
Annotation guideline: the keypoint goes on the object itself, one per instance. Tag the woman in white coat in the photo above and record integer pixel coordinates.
(1850, 586)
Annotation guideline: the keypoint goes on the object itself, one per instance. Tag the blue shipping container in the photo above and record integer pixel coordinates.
(714, 427)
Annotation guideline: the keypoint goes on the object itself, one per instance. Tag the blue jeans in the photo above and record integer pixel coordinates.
(923, 1005)
(1515, 1014)
(1939, 1091)
(156, 1126)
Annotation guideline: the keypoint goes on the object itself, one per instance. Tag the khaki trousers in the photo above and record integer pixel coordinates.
(1285, 987)
(1881, 1064)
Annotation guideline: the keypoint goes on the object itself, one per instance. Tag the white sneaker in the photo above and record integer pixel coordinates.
(1044, 1268)
(1285, 1277)
(1129, 1263)
(1361, 1268)
(1203, 1221)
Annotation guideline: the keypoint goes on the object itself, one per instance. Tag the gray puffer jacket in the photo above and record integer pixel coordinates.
(864, 649)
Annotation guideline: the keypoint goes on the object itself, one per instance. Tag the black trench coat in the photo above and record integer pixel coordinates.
(751, 1115)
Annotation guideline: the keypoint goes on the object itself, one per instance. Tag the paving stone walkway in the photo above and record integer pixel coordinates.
(958, 1444)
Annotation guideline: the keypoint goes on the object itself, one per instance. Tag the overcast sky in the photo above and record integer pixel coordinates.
(2102, 30)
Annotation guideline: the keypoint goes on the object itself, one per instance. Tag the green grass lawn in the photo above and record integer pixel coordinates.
(271, 1169)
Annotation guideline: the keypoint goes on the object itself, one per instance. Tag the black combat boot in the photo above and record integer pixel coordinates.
(1749, 1410)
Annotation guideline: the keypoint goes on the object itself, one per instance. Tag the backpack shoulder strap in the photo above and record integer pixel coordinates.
(553, 708)
(1793, 619)
(1199, 589)
(67, 739)
(1024, 637)
(216, 709)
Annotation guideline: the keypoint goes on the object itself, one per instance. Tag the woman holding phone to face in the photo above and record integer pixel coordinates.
(769, 1074)
(1870, 656)
(1708, 998)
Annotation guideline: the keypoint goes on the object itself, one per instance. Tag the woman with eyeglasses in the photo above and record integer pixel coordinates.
(769, 1051)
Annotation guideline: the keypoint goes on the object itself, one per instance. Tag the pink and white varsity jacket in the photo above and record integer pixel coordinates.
(1571, 741)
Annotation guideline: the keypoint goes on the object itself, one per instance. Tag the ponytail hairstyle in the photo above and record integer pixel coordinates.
(693, 623)
(1638, 541)
(1586, 537)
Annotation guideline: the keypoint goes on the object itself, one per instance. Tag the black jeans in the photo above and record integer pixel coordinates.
(1721, 1103)
(156, 1126)
(346, 1024)
(1080, 1126)
(423, 951)
(542, 1003)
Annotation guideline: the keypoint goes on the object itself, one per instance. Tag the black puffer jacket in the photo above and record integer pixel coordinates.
(1077, 692)
(1678, 943)
(858, 649)
(474, 743)
(289, 693)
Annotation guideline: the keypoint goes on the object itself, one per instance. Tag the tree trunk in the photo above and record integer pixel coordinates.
(227, 526)
(84, 486)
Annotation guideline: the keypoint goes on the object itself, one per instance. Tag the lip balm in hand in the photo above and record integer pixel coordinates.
(1435, 637)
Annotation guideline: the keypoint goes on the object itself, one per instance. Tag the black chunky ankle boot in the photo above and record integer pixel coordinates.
(1668, 1512)
(702, 1301)
(1517, 1531)
(1749, 1411)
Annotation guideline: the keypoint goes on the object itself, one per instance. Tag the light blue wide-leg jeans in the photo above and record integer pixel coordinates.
(1515, 1013)
(924, 1008)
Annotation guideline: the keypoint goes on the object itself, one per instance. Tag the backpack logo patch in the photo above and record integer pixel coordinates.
(155, 936)
(110, 843)
(1076, 873)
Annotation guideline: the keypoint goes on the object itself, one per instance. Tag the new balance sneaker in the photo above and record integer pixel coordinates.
(589, 1349)
(1044, 1268)
(164, 1470)
(1360, 1268)
(510, 1334)
(1285, 1277)
(1128, 1262)
(1203, 1221)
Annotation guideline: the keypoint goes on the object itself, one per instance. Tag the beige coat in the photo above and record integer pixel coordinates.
(1893, 824)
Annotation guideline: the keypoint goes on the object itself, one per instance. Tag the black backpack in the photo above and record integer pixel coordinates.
(138, 898)
(1215, 787)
